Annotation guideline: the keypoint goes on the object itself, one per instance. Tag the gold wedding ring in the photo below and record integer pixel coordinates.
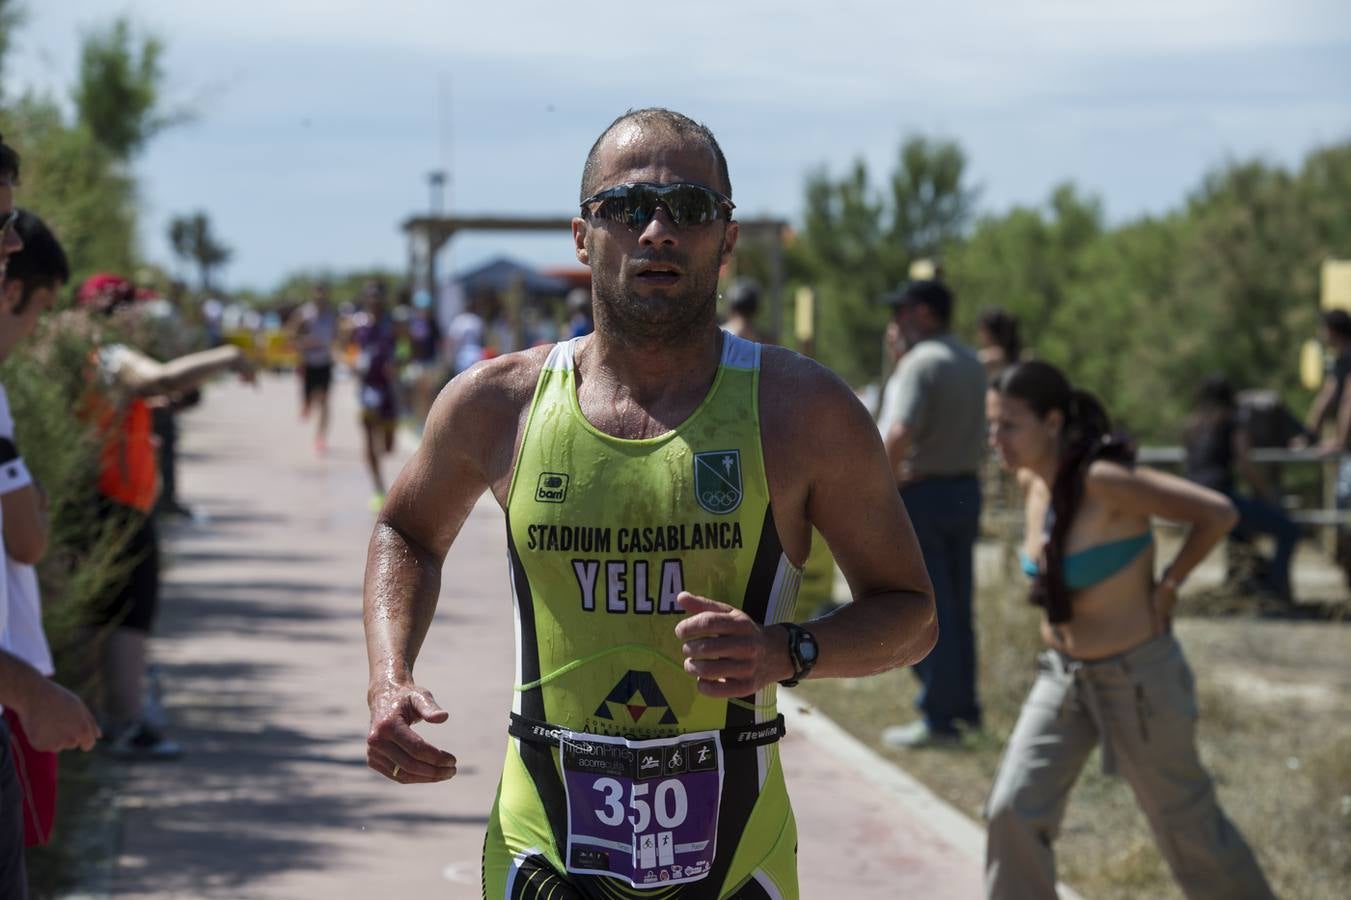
(395, 773)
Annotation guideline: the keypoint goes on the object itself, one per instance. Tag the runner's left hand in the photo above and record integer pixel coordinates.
(727, 651)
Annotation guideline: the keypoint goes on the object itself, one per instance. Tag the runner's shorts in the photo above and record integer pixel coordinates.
(37, 781)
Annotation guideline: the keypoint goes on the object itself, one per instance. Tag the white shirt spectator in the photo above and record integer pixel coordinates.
(21, 606)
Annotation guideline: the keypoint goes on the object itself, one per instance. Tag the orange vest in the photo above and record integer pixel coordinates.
(128, 458)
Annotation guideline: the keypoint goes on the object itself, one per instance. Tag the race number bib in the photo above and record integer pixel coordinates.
(644, 811)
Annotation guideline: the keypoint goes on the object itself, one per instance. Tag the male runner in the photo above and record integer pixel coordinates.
(314, 331)
(660, 479)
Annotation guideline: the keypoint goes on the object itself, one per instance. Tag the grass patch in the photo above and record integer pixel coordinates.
(1275, 732)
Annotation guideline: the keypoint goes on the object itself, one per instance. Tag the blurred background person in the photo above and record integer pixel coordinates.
(313, 330)
(123, 385)
(378, 378)
(743, 304)
(933, 428)
(997, 342)
(1216, 440)
(467, 335)
(580, 321)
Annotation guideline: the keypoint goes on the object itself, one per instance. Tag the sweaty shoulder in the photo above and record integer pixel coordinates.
(806, 407)
(482, 411)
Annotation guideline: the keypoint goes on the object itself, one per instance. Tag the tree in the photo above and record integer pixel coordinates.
(76, 185)
(194, 243)
(117, 94)
(857, 242)
(11, 17)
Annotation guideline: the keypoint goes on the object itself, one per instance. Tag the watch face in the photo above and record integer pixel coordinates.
(807, 650)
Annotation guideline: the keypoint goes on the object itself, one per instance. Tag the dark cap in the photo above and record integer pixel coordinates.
(932, 294)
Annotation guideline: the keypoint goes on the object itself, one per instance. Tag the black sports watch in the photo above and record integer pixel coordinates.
(802, 652)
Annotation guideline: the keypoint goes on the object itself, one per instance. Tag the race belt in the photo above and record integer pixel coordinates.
(757, 735)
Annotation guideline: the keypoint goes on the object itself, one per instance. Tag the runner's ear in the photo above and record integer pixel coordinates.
(579, 231)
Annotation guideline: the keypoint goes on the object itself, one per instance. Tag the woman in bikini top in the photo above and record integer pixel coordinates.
(1088, 546)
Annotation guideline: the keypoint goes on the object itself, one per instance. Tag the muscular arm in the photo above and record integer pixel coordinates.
(852, 500)
(828, 469)
(466, 449)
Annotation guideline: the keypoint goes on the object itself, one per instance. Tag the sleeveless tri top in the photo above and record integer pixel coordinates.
(605, 532)
(620, 777)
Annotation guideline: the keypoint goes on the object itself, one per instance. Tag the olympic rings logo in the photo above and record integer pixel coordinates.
(721, 498)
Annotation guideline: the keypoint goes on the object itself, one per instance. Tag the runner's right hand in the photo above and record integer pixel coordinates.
(59, 720)
(392, 742)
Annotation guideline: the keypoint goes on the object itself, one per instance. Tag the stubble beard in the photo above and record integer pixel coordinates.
(661, 318)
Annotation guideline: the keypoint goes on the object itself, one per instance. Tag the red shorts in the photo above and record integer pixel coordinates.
(37, 779)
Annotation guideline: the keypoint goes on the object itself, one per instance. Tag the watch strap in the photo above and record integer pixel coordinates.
(801, 667)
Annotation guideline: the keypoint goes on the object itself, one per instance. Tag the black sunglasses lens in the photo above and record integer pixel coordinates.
(635, 204)
(632, 206)
(690, 204)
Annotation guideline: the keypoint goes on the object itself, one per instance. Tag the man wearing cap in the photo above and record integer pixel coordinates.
(660, 479)
(933, 426)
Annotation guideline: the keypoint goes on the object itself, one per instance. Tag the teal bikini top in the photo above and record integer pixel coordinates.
(1088, 567)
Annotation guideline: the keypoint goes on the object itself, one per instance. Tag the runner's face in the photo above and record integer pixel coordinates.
(1017, 435)
(660, 282)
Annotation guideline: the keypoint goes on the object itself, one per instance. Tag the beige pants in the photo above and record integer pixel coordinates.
(1141, 706)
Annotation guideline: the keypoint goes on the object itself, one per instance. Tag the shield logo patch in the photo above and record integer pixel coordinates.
(717, 480)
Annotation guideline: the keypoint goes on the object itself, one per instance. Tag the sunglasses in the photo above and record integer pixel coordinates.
(635, 204)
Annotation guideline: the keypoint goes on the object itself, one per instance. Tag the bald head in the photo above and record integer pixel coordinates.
(641, 127)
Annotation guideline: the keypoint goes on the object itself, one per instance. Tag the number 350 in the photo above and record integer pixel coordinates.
(669, 802)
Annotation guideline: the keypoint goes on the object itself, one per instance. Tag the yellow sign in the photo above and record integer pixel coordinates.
(1336, 284)
(804, 317)
(923, 270)
(1311, 365)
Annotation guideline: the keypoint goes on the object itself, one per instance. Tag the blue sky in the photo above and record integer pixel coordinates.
(318, 121)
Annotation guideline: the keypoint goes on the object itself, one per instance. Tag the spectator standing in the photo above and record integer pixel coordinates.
(933, 427)
(1333, 401)
(124, 385)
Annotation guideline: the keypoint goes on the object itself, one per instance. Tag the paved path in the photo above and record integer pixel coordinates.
(265, 675)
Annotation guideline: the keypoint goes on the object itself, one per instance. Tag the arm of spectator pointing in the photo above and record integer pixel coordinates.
(54, 718)
(145, 377)
(467, 447)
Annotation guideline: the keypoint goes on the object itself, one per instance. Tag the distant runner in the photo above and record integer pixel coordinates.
(314, 332)
(660, 479)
